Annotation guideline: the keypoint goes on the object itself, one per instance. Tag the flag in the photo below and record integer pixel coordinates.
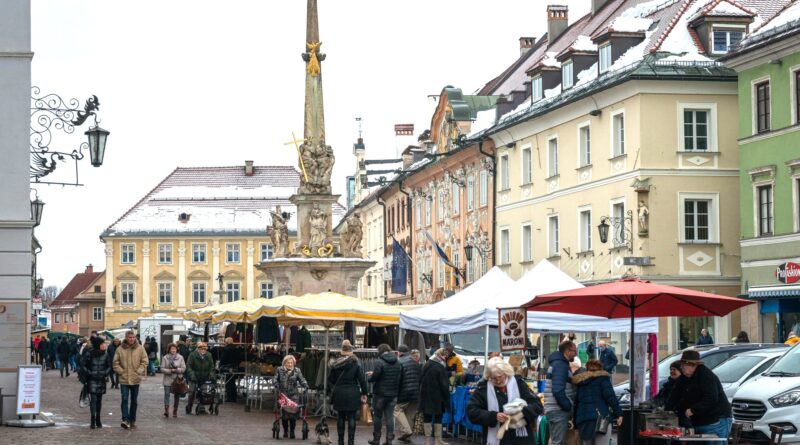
(399, 268)
(442, 255)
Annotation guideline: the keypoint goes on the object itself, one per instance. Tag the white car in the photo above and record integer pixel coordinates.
(771, 399)
(732, 373)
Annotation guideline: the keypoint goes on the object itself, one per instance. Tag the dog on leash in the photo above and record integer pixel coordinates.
(323, 433)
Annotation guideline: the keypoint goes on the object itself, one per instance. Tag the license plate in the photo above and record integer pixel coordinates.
(746, 426)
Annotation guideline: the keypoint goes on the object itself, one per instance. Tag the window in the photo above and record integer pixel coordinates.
(552, 157)
(97, 289)
(266, 290)
(427, 211)
(762, 107)
(585, 144)
(505, 247)
(419, 212)
(233, 292)
(552, 236)
(724, 39)
(58, 317)
(456, 199)
(128, 293)
(266, 251)
(566, 75)
(618, 134)
(605, 58)
(440, 205)
(696, 220)
(505, 183)
(457, 262)
(765, 216)
(440, 273)
(536, 88)
(165, 293)
(198, 253)
(198, 293)
(232, 253)
(470, 192)
(797, 97)
(695, 130)
(471, 270)
(618, 234)
(165, 254)
(797, 204)
(586, 230)
(484, 191)
(527, 243)
(484, 264)
(128, 253)
(527, 172)
(97, 314)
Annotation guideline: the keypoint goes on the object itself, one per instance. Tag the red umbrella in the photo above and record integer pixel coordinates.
(631, 297)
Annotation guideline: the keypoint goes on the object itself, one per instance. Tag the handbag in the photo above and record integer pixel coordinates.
(366, 414)
(179, 386)
(419, 424)
(601, 425)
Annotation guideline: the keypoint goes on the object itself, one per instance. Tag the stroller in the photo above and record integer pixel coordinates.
(285, 404)
(207, 395)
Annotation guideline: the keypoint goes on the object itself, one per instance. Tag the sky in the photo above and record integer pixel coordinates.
(185, 83)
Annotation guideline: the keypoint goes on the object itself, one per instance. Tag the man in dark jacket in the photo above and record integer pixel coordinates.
(559, 405)
(408, 398)
(607, 357)
(704, 338)
(385, 379)
(63, 356)
(700, 397)
(229, 363)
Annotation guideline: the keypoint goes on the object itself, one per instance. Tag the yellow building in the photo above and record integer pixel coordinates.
(165, 254)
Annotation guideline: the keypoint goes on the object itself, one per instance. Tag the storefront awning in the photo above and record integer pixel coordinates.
(792, 290)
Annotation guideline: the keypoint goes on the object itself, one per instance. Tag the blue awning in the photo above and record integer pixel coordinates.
(773, 291)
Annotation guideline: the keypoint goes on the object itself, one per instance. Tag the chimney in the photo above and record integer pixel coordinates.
(403, 137)
(556, 22)
(89, 269)
(504, 105)
(597, 4)
(248, 168)
(408, 158)
(526, 43)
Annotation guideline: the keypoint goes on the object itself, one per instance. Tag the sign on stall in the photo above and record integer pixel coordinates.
(29, 390)
(513, 328)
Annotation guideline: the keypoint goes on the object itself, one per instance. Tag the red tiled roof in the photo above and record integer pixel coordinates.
(696, 40)
(771, 7)
(78, 284)
(709, 8)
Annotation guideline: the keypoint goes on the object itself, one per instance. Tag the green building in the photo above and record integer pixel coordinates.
(768, 63)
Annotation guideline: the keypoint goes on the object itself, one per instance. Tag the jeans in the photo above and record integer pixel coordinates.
(383, 407)
(721, 428)
(151, 367)
(346, 419)
(402, 419)
(73, 362)
(168, 393)
(559, 420)
(129, 392)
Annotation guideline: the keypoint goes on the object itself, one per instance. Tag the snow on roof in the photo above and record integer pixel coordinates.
(678, 40)
(550, 60)
(483, 120)
(725, 8)
(584, 43)
(647, 8)
(631, 24)
(789, 14)
(234, 192)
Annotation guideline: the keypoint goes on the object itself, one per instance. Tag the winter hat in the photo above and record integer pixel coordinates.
(97, 341)
(691, 357)
(347, 346)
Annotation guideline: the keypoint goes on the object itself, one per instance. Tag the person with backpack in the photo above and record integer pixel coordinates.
(348, 391)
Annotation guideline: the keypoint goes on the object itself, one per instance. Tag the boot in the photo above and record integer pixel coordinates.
(428, 429)
(351, 437)
(376, 439)
(175, 409)
(166, 411)
(389, 439)
(98, 410)
(437, 434)
(285, 423)
(189, 404)
(92, 411)
(291, 429)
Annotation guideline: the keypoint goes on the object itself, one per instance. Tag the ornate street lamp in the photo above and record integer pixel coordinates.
(37, 206)
(468, 252)
(602, 229)
(622, 235)
(97, 144)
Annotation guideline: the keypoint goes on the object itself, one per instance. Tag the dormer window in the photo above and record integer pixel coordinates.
(566, 75)
(536, 88)
(605, 58)
(724, 38)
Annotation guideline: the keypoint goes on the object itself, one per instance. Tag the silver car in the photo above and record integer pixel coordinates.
(742, 367)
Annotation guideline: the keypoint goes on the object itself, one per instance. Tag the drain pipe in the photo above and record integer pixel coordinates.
(494, 206)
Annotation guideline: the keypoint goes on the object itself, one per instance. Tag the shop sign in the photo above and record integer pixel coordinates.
(513, 328)
(387, 267)
(788, 273)
(29, 389)
(36, 303)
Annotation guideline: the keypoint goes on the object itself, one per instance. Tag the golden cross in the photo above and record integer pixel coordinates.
(299, 156)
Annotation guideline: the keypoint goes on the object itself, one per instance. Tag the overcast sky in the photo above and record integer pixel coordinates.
(212, 83)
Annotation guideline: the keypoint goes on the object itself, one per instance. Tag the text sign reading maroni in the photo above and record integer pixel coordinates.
(513, 328)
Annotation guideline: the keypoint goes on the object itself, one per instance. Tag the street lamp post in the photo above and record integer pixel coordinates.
(622, 235)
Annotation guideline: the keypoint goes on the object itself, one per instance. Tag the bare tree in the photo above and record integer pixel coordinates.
(49, 294)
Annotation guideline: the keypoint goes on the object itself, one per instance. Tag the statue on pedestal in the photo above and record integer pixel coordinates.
(318, 225)
(280, 233)
(644, 219)
(351, 237)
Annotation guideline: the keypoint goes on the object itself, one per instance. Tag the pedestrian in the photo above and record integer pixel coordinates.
(74, 354)
(385, 379)
(608, 357)
(674, 377)
(229, 362)
(290, 382)
(36, 357)
(95, 367)
(44, 347)
(111, 351)
(742, 337)
(454, 363)
(172, 366)
(594, 398)
(152, 355)
(183, 347)
(487, 406)
(54, 360)
(700, 397)
(434, 395)
(408, 397)
(199, 368)
(558, 402)
(704, 338)
(348, 391)
(130, 364)
(63, 356)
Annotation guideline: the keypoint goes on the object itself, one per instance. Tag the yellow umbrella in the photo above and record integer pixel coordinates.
(250, 310)
(205, 313)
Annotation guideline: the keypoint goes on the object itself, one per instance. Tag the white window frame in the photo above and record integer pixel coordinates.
(440, 272)
(505, 245)
(471, 270)
(483, 189)
(266, 287)
(553, 239)
(618, 239)
(235, 249)
(754, 103)
(456, 191)
(713, 216)
(618, 146)
(233, 289)
(584, 145)
(132, 252)
(711, 108)
(526, 165)
(470, 192)
(552, 156)
(456, 252)
(484, 265)
(585, 228)
(793, 92)
(196, 292)
(757, 208)
(796, 201)
(526, 242)
(418, 205)
(97, 313)
(164, 253)
(604, 57)
(440, 204)
(164, 292)
(726, 29)
(200, 248)
(122, 290)
(536, 88)
(505, 172)
(57, 317)
(265, 248)
(427, 211)
(567, 79)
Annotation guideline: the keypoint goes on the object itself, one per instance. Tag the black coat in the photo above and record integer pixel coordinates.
(703, 393)
(95, 368)
(386, 375)
(479, 413)
(434, 390)
(63, 350)
(409, 383)
(347, 384)
(231, 357)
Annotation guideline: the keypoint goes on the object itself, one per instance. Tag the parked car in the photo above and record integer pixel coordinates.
(712, 355)
(771, 399)
(742, 367)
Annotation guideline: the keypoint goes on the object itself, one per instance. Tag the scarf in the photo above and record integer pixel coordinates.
(513, 393)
